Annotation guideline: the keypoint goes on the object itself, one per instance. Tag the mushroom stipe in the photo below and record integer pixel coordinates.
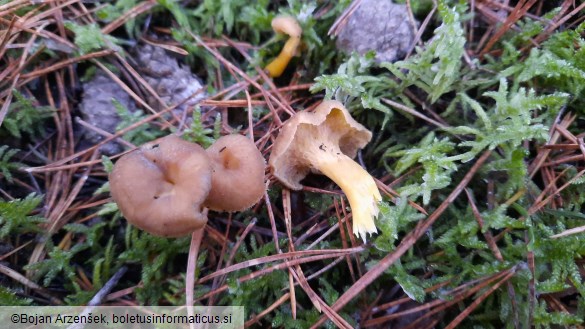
(325, 142)
(289, 26)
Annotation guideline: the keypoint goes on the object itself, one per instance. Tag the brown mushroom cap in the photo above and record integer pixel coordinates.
(237, 180)
(287, 25)
(160, 187)
(328, 128)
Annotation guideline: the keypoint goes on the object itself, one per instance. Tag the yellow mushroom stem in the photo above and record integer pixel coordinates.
(357, 184)
(278, 65)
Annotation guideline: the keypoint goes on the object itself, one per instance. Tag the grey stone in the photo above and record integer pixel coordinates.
(172, 82)
(97, 109)
(378, 25)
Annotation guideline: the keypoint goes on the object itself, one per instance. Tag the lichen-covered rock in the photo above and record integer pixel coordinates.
(97, 109)
(378, 25)
(172, 82)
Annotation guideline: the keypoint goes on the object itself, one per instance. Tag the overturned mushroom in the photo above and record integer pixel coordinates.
(161, 186)
(237, 180)
(289, 26)
(324, 142)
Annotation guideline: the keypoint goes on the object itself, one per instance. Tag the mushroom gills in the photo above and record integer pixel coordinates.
(324, 142)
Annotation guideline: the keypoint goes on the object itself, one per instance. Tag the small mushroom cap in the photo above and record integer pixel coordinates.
(287, 25)
(160, 187)
(237, 180)
(330, 125)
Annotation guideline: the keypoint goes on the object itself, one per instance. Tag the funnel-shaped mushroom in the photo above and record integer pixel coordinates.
(161, 186)
(325, 142)
(289, 26)
(237, 180)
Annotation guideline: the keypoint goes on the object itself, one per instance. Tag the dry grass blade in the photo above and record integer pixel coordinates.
(519, 11)
(393, 194)
(129, 91)
(272, 219)
(488, 235)
(59, 164)
(457, 295)
(132, 13)
(321, 305)
(286, 206)
(105, 290)
(343, 18)
(404, 300)
(64, 64)
(553, 139)
(559, 20)
(270, 269)
(29, 284)
(465, 313)
(569, 232)
(312, 255)
(196, 238)
(413, 112)
(421, 30)
(538, 205)
(269, 309)
(6, 105)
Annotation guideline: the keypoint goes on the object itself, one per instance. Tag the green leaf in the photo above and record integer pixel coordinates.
(6, 166)
(438, 166)
(16, 218)
(511, 121)
(58, 262)
(349, 81)
(176, 8)
(90, 38)
(410, 284)
(198, 133)
(25, 117)
(437, 68)
(8, 297)
(139, 135)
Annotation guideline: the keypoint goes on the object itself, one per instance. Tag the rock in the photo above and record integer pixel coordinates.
(378, 25)
(97, 109)
(172, 82)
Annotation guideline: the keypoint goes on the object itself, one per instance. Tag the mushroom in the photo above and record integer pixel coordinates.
(164, 186)
(325, 142)
(161, 186)
(289, 26)
(237, 179)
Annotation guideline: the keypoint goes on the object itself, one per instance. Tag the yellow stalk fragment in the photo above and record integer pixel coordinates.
(278, 65)
(359, 187)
